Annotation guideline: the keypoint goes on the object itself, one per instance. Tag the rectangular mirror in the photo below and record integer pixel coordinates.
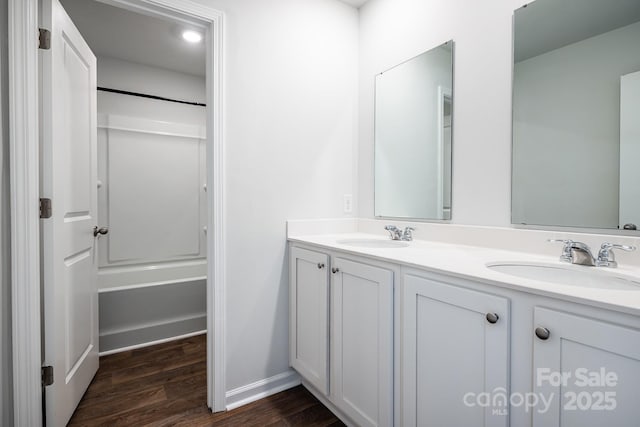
(576, 114)
(413, 123)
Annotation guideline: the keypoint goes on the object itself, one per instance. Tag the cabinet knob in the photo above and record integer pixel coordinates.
(334, 270)
(542, 333)
(320, 265)
(492, 318)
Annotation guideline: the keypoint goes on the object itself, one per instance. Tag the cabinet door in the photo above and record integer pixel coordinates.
(309, 327)
(600, 363)
(362, 342)
(453, 356)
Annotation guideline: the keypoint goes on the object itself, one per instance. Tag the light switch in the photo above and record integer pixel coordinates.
(348, 203)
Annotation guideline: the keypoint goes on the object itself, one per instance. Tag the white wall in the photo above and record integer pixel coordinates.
(155, 206)
(567, 114)
(392, 31)
(6, 402)
(290, 128)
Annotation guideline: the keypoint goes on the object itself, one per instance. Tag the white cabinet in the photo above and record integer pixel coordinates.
(343, 345)
(362, 342)
(455, 346)
(436, 350)
(588, 368)
(309, 323)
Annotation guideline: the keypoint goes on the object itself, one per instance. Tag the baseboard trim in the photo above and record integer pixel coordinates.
(150, 343)
(260, 389)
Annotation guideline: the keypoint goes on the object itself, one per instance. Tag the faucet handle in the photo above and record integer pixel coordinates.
(628, 248)
(566, 249)
(407, 234)
(394, 232)
(606, 257)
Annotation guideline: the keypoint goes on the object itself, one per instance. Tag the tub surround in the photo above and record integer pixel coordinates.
(465, 251)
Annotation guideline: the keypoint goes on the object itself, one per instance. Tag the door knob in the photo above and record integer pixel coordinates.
(335, 270)
(101, 230)
(320, 265)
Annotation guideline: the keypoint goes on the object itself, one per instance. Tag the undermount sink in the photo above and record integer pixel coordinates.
(587, 277)
(373, 243)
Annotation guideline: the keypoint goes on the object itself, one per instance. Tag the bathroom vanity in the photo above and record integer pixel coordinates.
(435, 333)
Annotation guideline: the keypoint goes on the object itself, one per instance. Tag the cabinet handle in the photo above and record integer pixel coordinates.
(492, 318)
(542, 333)
(334, 270)
(320, 265)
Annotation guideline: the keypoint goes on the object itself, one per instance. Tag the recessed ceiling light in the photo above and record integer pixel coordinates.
(192, 36)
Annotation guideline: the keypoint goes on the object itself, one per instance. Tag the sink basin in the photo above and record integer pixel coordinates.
(586, 277)
(373, 243)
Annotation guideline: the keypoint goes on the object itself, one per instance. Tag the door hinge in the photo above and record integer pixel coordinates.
(45, 208)
(44, 39)
(47, 376)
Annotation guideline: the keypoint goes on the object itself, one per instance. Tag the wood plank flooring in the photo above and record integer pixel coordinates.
(166, 385)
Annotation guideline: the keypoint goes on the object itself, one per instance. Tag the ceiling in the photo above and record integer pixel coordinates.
(541, 26)
(546, 25)
(354, 3)
(123, 34)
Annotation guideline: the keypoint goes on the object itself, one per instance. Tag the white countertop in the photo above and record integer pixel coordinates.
(470, 262)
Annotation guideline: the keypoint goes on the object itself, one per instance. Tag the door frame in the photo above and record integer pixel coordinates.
(24, 147)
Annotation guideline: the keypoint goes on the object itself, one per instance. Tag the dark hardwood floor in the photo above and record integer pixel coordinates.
(166, 385)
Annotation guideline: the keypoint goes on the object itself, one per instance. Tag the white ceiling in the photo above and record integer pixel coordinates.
(545, 25)
(123, 34)
(354, 3)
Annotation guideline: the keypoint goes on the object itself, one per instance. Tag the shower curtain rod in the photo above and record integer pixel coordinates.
(144, 95)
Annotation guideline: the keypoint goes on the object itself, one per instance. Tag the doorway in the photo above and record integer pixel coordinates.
(151, 178)
(210, 219)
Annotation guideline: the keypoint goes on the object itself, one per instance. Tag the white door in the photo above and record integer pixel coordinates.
(455, 350)
(362, 342)
(629, 149)
(588, 368)
(69, 176)
(309, 322)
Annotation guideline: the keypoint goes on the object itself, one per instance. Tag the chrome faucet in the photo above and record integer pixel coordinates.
(407, 234)
(396, 234)
(606, 257)
(576, 253)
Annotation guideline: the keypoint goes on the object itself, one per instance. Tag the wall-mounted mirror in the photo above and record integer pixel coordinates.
(413, 122)
(576, 114)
